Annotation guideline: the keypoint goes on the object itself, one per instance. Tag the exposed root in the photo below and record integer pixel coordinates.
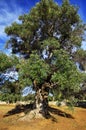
(33, 114)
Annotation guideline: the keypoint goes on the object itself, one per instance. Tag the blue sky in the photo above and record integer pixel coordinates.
(11, 9)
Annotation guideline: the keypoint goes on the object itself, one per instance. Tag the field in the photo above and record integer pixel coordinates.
(62, 119)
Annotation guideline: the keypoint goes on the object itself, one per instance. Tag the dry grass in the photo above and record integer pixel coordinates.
(58, 121)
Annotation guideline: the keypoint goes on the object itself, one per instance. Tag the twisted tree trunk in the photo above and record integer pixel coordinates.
(41, 99)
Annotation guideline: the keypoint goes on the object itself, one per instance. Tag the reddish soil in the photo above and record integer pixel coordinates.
(76, 120)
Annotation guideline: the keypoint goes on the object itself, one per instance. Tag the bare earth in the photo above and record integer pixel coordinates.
(76, 120)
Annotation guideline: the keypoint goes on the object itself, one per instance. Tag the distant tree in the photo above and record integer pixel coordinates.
(48, 38)
(11, 92)
(6, 62)
(8, 89)
(29, 97)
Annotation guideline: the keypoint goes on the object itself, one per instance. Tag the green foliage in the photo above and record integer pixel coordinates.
(10, 92)
(67, 76)
(7, 61)
(50, 44)
(33, 69)
(67, 73)
(10, 98)
(50, 37)
(80, 56)
(4, 62)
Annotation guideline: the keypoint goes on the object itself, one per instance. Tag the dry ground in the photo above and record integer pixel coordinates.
(77, 120)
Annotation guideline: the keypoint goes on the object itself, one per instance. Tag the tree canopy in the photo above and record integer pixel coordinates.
(49, 38)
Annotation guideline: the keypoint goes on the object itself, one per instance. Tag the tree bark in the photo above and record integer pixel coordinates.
(41, 100)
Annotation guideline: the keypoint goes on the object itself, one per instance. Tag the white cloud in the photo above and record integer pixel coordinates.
(2, 34)
(8, 14)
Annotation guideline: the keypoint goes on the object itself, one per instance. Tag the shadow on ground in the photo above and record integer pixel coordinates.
(20, 108)
(60, 113)
(81, 104)
(27, 108)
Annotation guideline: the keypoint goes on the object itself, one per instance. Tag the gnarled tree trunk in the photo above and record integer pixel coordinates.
(41, 99)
